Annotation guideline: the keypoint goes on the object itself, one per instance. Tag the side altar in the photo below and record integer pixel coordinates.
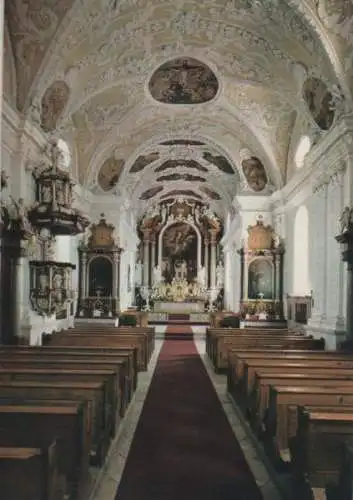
(262, 276)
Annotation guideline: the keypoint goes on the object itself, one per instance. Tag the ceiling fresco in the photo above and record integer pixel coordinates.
(220, 161)
(180, 192)
(183, 81)
(185, 142)
(174, 164)
(254, 173)
(148, 78)
(53, 104)
(150, 193)
(181, 177)
(144, 160)
(210, 193)
(110, 172)
(318, 99)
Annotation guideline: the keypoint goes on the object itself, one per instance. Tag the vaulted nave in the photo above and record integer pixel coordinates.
(176, 249)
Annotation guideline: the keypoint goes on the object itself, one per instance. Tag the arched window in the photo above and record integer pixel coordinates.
(301, 280)
(64, 147)
(303, 149)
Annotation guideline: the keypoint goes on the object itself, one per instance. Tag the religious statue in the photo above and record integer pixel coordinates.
(21, 215)
(181, 270)
(197, 215)
(46, 193)
(220, 275)
(138, 273)
(164, 211)
(157, 275)
(43, 282)
(201, 276)
(346, 219)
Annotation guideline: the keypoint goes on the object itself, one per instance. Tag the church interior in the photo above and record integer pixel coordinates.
(176, 250)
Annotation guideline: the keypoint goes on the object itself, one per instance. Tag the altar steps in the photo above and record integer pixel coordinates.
(178, 317)
(178, 332)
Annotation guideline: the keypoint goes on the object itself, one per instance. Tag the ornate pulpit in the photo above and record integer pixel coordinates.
(99, 263)
(262, 274)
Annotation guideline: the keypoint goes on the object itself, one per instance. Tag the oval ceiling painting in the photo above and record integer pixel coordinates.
(110, 172)
(183, 81)
(318, 99)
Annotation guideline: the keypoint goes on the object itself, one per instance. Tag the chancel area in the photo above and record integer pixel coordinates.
(176, 250)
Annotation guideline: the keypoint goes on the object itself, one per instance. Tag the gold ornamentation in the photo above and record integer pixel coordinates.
(260, 236)
(101, 234)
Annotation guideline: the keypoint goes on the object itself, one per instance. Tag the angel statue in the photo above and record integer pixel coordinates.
(201, 276)
(164, 211)
(21, 215)
(345, 219)
(220, 275)
(157, 275)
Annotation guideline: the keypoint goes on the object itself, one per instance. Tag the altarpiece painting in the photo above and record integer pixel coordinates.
(179, 252)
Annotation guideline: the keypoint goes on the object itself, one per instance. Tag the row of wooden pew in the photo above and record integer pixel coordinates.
(298, 399)
(61, 406)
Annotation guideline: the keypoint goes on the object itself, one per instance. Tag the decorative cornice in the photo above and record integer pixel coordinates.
(323, 163)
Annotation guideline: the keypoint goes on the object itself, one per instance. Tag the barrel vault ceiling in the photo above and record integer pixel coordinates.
(101, 62)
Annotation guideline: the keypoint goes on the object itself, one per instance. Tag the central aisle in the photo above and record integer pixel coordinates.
(184, 447)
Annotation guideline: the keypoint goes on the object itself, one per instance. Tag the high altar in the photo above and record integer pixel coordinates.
(179, 255)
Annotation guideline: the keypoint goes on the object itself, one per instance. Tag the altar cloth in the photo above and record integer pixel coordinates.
(179, 307)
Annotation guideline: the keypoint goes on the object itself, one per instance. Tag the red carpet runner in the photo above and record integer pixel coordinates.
(178, 332)
(183, 447)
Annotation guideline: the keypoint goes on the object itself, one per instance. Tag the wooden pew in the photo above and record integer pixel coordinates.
(258, 402)
(225, 344)
(282, 426)
(318, 444)
(32, 423)
(72, 363)
(120, 356)
(92, 392)
(237, 357)
(222, 344)
(344, 490)
(92, 329)
(213, 334)
(105, 340)
(109, 378)
(245, 381)
(30, 473)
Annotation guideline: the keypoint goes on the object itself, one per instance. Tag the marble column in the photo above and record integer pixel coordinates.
(349, 318)
(334, 313)
(213, 241)
(237, 279)
(316, 208)
(153, 252)
(116, 282)
(146, 259)
(20, 287)
(325, 252)
(206, 258)
(84, 276)
(2, 3)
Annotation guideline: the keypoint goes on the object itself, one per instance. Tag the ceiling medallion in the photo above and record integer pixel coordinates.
(183, 81)
(318, 99)
(110, 172)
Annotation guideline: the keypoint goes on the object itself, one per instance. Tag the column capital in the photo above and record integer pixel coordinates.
(146, 235)
(213, 236)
